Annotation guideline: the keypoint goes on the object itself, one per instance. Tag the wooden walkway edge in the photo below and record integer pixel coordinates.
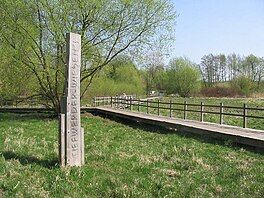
(250, 137)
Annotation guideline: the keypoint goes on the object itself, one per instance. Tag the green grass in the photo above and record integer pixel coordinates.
(253, 123)
(122, 161)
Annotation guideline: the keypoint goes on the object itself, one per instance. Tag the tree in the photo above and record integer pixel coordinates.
(183, 77)
(153, 69)
(223, 67)
(37, 30)
(253, 68)
(122, 76)
(15, 80)
(207, 69)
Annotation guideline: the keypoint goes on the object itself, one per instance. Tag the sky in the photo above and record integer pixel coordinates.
(218, 26)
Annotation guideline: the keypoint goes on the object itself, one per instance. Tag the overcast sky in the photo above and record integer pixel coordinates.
(218, 26)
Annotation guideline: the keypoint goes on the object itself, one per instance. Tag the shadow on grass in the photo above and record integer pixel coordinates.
(164, 130)
(27, 116)
(26, 159)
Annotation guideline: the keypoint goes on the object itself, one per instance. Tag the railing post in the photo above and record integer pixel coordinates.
(202, 112)
(130, 103)
(221, 113)
(147, 106)
(170, 108)
(245, 116)
(185, 110)
(111, 101)
(138, 104)
(158, 107)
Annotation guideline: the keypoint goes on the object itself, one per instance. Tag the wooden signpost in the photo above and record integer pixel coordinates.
(71, 135)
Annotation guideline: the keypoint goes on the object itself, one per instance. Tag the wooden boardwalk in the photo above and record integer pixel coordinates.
(251, 137)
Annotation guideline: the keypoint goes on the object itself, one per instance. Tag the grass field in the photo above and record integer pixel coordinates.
(123, 161)
(229, 120)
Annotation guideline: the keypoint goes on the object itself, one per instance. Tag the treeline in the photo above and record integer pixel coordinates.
(222, 68)
(232, 75)
(181, 77)
(216, 75)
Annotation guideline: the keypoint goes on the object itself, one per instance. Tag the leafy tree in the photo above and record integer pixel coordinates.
(253, 68)
(121, 76)
(36, 32)
(183, 77)
(15, 80)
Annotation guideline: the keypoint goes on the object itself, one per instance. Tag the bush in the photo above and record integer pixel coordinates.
(220, 91)
(243, 84)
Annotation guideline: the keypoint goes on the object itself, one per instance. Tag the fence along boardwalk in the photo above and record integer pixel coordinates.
(119, 107)
(131, 102)
(240, 135)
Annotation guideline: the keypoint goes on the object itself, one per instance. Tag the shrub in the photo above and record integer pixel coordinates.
(243, 85)
(220, 91)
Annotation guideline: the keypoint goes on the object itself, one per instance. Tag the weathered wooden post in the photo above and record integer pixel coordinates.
(244, 116)
(221, 113)
(170, 109)
(147, 106)
(185, 110)
(158, 107)
(130, 101)
(115, 105)
(93, 102)
(202, 112)
(71, 142)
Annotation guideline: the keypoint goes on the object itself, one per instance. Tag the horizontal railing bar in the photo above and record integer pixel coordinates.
(208, 105)
(233, 107)
(258, 117)
(255, 109)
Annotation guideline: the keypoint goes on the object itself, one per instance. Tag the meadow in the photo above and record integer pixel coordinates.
(123, 161)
